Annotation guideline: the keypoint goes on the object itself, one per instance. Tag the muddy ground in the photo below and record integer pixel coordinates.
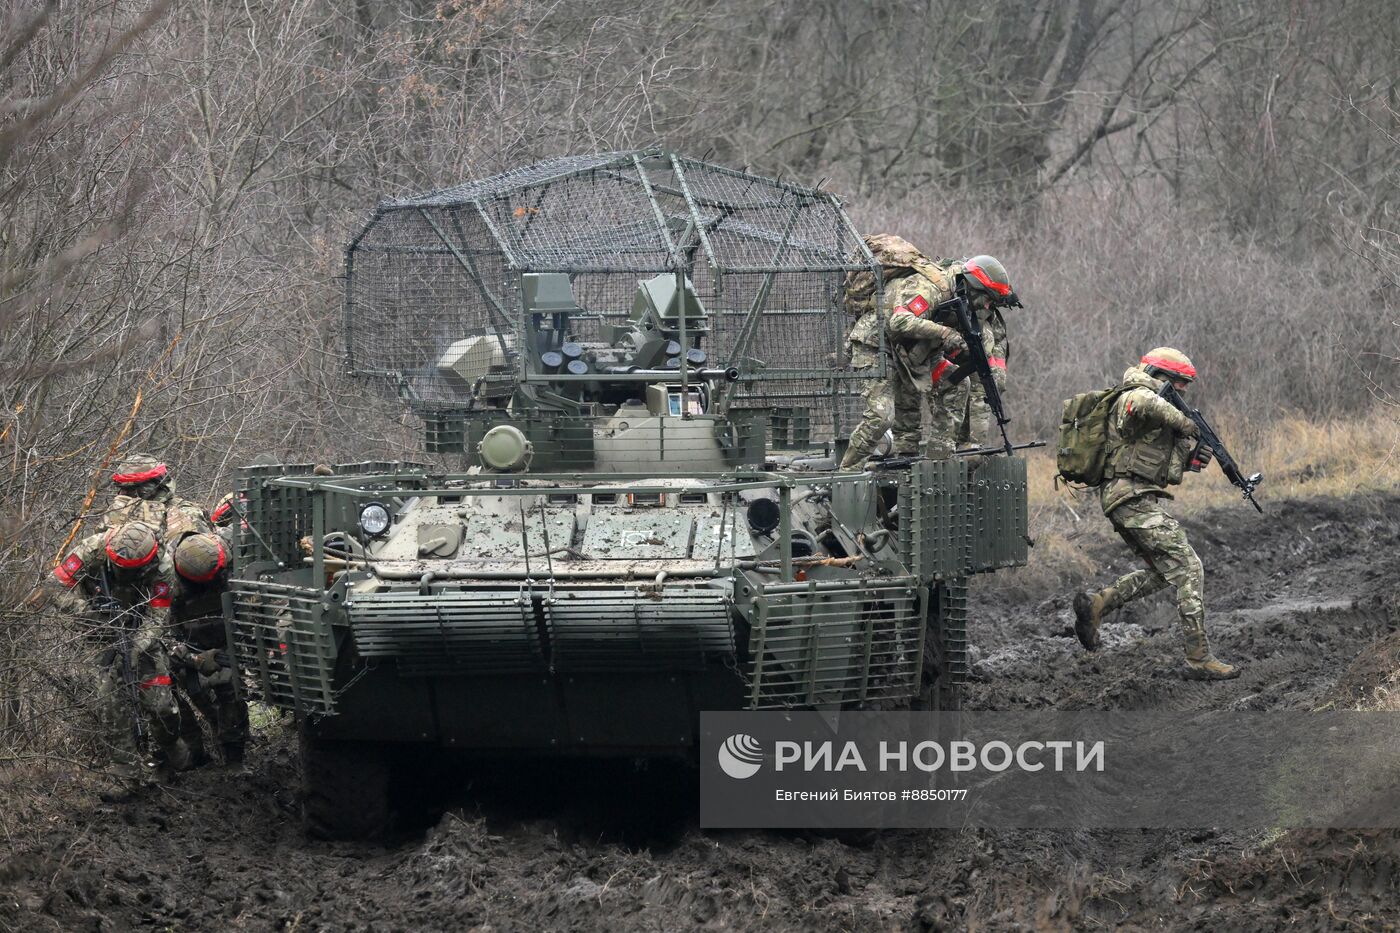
(1304, 597)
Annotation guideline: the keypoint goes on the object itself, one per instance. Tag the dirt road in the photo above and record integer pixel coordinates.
(1306, 599)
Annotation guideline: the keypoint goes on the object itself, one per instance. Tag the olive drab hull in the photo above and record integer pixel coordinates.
(632, 374)
(684, 603)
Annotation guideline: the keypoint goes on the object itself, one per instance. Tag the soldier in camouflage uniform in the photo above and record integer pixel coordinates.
(960, 415)
(145, 493)
(913, 343)
(115, 579)
(200, 564)
(1150, 446)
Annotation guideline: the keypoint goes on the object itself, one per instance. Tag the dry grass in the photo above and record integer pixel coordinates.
(1299, 457)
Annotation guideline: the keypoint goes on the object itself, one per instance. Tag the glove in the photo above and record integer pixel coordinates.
(954, 345)
(1201, 459)
(68, 601)
(1188, 428)
(212, 661)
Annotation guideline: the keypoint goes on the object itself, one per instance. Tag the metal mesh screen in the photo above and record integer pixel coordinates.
(766, 260)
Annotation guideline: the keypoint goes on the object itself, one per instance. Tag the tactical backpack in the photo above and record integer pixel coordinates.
(1083, 450)
(897, 258)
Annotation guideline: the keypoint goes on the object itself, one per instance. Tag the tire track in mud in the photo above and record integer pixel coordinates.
(1296, 598)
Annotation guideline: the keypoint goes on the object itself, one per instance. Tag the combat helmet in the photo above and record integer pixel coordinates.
(139, 470)
(1168, 363)
(131, 546)
(987, 275)
(200, 557)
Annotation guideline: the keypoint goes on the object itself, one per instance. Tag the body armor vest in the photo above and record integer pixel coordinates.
(1150, 456)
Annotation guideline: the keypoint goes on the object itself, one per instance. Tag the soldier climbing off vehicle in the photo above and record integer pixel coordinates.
(913, 342)
(114, 578)
(199, 567)
(146, 493)
(960, 414)
(1135, 444)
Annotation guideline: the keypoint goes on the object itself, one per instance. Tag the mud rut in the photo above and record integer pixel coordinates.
(1298, 598)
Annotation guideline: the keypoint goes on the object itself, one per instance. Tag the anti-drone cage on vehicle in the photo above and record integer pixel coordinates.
(442, 289)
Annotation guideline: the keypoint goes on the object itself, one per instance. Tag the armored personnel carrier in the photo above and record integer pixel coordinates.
(630, 373)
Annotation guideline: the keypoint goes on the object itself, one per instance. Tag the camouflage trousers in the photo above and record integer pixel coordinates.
(215, 696)
(155, 699)
(959, 416)
(220, 705)
(1161, 542)
(889, 402)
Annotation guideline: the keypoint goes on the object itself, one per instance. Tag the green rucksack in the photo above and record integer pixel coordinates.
(1083, 450)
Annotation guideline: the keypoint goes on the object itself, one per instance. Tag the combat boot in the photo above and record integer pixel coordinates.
(177, 756)
(1210, 668)
(1088, 614)
(129, 777)
(1201, 664)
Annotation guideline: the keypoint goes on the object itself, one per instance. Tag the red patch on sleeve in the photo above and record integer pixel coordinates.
(67, 572)
(919, 305)
(160, 596)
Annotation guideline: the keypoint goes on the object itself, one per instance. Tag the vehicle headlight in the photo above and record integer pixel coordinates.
(375, 519)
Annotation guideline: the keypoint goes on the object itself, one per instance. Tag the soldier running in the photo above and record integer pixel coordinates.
(1148, 445)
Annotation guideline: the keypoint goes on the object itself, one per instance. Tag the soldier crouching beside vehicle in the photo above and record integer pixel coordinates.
(199, 566)
(146, 493)
(114, 580)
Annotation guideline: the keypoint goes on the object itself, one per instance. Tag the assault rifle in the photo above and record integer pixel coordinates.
(1209, 440)
(966, 323)
(113, 609)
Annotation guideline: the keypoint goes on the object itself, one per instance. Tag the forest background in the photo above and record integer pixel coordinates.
(178, 181)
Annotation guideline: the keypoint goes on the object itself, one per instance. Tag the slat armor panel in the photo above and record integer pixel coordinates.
(614, 630)
(836, 644)
(449, 632)
(935, 525)
(999, 533)
(281, 641)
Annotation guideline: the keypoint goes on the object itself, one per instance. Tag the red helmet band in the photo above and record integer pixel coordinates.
(125, 479)
(1171, 366)
(986, 280)
(205, 578)
(128, 562)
